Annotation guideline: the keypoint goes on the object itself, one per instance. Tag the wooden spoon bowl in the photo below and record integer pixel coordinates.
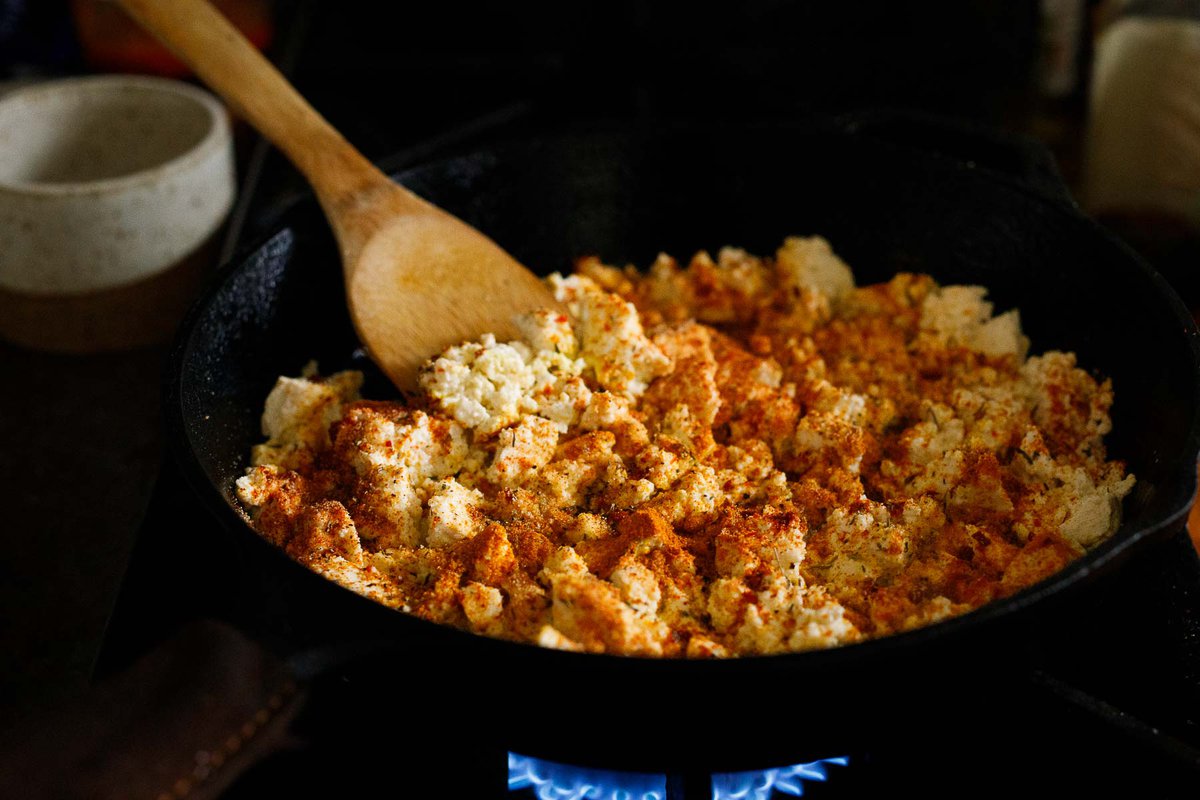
(418, 279)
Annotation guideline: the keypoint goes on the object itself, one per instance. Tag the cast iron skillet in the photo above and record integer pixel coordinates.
(887, 203)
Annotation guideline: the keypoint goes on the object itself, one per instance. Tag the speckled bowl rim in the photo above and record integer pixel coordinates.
(217, 136)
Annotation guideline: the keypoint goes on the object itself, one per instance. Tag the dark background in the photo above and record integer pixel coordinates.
(81, 434)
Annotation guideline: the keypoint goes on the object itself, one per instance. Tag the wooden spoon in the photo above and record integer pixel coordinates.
(417, 278)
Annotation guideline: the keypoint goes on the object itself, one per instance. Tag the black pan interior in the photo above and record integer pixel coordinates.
(885, 207)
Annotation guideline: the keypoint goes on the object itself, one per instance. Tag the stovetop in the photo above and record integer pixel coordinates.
(1108, 701)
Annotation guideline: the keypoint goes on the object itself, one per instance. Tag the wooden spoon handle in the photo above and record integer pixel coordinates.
(234, 69)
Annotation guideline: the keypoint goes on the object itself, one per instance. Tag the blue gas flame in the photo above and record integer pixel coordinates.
(759, 784)
(552, 781)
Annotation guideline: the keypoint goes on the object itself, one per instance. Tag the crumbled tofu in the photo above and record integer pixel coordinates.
(638, 586)
(590, 611)
(959, 316)
(785, 617)
(580, 464)
(256, 487)
(482, 604)
(863, 544)
(759, 544)
(611, 338)
(297, 417)
(588, 526)
(549, 637)
(564, 561)
(453, 513)
(487, 385)
(367, 582)
(810, 264)
(732, 457)
(548, 330)
(524, 449)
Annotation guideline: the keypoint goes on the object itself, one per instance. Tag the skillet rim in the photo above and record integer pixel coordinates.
(1105, 558)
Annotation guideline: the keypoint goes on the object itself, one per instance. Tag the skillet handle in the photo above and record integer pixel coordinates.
(1014, 156)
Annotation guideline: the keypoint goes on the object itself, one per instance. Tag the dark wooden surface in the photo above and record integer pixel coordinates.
(82, 444)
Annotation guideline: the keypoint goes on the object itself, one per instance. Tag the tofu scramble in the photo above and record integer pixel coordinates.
(737, 456)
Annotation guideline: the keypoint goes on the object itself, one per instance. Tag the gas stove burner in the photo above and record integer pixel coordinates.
(549, 780)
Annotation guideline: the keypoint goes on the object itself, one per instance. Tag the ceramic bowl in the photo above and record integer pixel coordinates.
(112, 189)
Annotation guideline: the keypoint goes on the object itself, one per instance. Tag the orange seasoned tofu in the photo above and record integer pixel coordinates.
(727, 457)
